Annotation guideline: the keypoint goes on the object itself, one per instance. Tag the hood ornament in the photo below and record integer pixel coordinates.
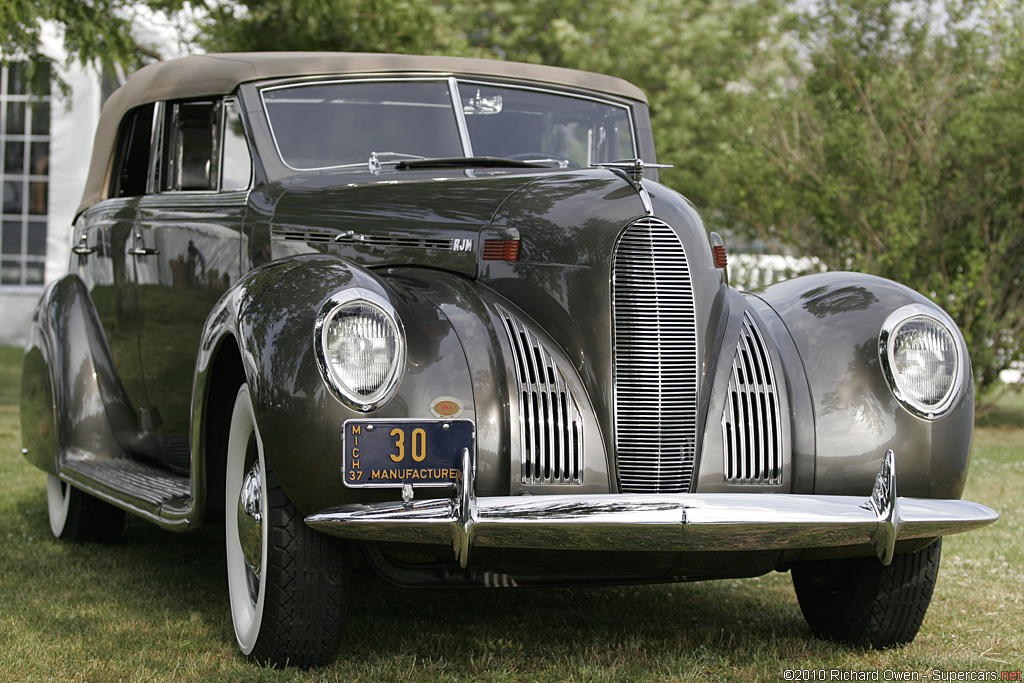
(633, 169)
(633, 172)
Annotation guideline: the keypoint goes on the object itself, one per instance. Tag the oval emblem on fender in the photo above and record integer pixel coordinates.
(446, 406)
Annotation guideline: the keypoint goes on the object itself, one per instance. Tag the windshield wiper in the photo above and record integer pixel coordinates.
(374, 162)
(466, 162)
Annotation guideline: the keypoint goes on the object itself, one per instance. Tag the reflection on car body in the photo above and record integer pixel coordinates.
(440, 312)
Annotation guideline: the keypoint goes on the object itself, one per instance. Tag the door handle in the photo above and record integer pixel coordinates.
(141, 251)
(82, 248)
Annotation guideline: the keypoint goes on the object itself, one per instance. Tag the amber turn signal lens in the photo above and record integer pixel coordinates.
(721, 256)
(501, 250)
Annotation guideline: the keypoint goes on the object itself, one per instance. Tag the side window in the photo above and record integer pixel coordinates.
(204, 148)
(131, 161)
(236, 169)
(190, 146)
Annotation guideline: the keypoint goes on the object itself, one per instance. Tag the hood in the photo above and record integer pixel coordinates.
(395, 218)
(570, 226)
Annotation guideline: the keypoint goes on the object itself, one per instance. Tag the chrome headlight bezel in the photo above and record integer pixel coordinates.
(901, 388)
(334, 376)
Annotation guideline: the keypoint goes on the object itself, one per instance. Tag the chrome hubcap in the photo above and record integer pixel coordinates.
(250, 527)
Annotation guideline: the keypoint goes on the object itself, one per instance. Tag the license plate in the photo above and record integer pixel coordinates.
(390, 453)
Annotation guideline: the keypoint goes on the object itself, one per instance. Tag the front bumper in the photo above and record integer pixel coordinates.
(660, 522)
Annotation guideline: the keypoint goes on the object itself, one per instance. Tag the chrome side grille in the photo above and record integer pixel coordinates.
(550, 422)
(655, 360)
(397, 242)
(752, 421)
(303, 234)
(333, 236)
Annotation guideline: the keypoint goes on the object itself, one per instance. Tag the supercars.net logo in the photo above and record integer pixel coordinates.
(891, 675)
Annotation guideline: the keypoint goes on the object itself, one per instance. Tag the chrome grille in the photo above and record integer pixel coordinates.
(752, 421)
(655, 360)
(550, 423)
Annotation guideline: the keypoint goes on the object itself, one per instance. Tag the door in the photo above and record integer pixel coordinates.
(101, 257)
(186, 245)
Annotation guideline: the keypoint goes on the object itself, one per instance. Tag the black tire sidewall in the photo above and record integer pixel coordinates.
(865, 603)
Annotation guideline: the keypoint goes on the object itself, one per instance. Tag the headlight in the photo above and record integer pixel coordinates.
(921, 360)
(360, 348)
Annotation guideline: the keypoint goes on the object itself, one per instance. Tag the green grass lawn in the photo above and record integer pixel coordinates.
(154, 606)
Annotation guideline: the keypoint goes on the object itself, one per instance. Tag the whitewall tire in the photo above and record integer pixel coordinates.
(76, 516)
(287, 584)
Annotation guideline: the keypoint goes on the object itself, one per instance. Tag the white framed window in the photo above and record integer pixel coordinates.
(24, 177)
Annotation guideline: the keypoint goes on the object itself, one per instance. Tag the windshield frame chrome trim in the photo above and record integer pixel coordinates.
(440, 78)
(563, 93)
(453, 81)
(460, 116)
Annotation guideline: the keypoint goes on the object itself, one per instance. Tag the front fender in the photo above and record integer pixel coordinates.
(834, 320)
(270, 317)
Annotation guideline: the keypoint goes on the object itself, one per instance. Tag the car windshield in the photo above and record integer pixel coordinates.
(372, 123)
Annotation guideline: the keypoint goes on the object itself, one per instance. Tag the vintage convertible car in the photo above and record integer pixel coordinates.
(437, 316)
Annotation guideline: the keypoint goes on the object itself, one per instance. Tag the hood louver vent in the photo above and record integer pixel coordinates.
(752, 421)
(333, 236)
(655, 360)
(303, 235)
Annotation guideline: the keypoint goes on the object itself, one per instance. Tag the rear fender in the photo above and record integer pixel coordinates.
(72, 400)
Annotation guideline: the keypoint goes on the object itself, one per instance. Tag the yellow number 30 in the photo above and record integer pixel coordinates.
(419, 444)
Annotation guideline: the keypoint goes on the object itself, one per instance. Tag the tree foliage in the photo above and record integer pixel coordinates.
(696, 59)
(97, 32)
(876, 135)
(403, 26)
(693, 58)
(899, 153)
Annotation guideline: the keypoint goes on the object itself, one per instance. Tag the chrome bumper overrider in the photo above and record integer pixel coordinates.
(665, 522)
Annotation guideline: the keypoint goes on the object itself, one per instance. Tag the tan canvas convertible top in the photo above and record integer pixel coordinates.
(219, 74)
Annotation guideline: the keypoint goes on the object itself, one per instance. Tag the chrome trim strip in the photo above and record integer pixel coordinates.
(460, 116)
(156, 149)
(673, 522)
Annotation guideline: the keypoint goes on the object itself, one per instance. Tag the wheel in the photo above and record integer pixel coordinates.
(862, 602)
(287, 583)
(76, 516)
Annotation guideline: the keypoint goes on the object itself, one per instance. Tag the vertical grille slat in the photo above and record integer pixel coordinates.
(751, 422)
(655, 360)
(549, 419)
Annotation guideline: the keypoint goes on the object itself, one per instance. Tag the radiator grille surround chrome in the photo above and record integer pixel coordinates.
(654, 360)
(550, 423)
(752, 430)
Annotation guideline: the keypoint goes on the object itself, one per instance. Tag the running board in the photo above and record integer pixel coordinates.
(151, 492)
